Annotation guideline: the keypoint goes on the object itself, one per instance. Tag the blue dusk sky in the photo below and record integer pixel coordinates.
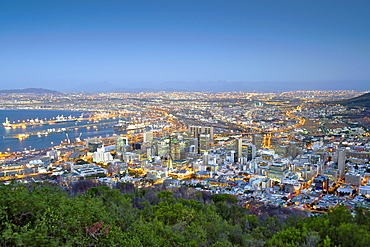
(218, 45)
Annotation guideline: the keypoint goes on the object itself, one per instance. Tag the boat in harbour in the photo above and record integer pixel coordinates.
(7, 124)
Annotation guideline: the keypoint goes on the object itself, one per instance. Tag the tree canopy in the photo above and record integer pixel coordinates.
(47, 215)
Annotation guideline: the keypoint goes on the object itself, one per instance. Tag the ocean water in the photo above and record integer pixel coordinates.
(52, 139)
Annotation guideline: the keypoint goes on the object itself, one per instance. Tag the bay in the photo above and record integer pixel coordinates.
(52, 139)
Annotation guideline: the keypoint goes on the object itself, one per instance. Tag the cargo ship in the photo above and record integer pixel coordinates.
(36, 121)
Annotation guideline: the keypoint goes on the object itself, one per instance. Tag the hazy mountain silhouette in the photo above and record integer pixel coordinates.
(30, 90)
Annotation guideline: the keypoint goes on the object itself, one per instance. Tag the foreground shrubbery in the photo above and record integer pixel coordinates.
(45, 215)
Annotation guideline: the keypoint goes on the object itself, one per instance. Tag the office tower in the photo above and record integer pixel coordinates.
(145, 146)
(353, 179)
(281, 150)
(121, 143)
(102, 157)
(341, 162)
(239, 147)
(293, 150)
(149, 151)
(321, 183)
(315, 159)
(233, 156)
(161, 148)
(257, 140)
(94, 145)
(175, 147)
(194, 146)
(277, 171)
(204, 142)
(251, 152)
(205, 158)
(332, 174)
(148, 136)
(197, 130)
(186, 137)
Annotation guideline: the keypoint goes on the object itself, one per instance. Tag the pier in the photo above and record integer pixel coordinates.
(56, 130)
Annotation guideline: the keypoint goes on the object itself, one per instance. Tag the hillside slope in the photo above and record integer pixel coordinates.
(362, 100)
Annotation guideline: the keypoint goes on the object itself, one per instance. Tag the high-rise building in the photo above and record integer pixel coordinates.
(341, 162)
(187, 137)
(277, 171)
(239, 148)
(121, 143)
(233, 156)
(205, 158)
(251, 152)
(204, 135)
(204, 142)
(281, 150)
(162, 148)
(102, 157)
(293, 149)
(257, 140)
(196, 130)
(175, 148)
(321, 183)
(148, 136)
(93, 146)
(353, 179)
(194, 146)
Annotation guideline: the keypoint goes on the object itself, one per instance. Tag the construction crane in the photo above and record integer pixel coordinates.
(267, 141)
(78, 139)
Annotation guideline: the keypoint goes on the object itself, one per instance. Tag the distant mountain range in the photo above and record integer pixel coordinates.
(362, 100)
(30, 90)
(215, 86)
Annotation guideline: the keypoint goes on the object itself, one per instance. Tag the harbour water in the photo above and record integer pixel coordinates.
(53, 138)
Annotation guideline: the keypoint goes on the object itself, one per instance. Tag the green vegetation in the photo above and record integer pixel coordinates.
(46, 215)
(337, 228)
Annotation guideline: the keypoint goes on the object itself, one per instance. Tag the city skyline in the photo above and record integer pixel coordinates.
(195, 46)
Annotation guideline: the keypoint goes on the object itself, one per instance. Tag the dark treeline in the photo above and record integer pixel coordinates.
(89, 214)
